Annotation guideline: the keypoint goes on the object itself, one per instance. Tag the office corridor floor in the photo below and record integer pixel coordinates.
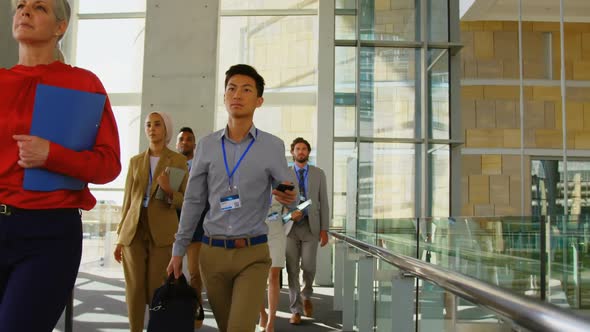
(99, 306)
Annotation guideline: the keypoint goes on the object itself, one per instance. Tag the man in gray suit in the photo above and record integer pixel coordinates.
(311, 226)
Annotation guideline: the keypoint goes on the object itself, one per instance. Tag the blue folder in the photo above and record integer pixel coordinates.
(69, 118)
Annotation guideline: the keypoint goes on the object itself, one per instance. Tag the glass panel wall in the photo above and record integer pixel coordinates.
(283, 49)
(345, 186)
(113, 50)
(392, 98)
(345, 28)
(267, 4)
(386, 181)
(109, 41)
(388, 92)
(439, 101)
(110, 6)
(389, 20)
(439, 157)
(516, 106)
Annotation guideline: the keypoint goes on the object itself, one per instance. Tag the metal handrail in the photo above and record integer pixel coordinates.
(526, 312)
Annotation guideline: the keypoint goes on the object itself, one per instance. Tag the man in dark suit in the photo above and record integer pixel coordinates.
(311, 226)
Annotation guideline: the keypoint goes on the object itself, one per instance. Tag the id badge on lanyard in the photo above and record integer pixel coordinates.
(230, 200)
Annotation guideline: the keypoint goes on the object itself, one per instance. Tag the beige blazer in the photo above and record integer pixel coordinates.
(162, 217)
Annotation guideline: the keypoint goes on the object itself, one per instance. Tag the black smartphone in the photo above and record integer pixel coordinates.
(282, 187)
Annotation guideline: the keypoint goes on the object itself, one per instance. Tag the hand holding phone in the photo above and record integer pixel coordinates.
(283, 187)
(285, 193)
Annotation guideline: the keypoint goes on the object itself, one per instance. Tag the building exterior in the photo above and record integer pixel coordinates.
(513, 160)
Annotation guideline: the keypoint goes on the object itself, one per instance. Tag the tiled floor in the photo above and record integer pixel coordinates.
(99, 306)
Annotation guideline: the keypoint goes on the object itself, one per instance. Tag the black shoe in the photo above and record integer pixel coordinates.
(200, 313)
(199, 316)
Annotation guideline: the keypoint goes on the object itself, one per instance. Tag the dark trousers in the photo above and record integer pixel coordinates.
(40, 253)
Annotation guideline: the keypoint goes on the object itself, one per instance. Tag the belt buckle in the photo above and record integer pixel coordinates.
(240, 243)
(5, 210)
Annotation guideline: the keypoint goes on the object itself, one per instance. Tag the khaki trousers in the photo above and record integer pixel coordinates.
(192, 253)
(236, 282)
(144, 265)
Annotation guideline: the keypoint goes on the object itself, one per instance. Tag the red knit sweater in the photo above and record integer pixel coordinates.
(17, 96)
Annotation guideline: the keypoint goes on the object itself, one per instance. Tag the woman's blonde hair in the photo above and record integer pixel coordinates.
(63, 12)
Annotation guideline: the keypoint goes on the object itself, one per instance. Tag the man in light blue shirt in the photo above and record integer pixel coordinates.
(235, 169)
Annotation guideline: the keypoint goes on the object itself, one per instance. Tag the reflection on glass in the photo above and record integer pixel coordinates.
(283, 120)
(110, 6)
(548, 189)
(99, 235)
(345, 4)
(503, 251)
(388, 81)
(268, 4)
(500, 250)
(386, 180)
(431, 307)
(113, 50)
(100, 223)
(344, 121)
(385, 293)
(345, 27)
(345, 165)
(388, 20)
(282, 48)
(569, 261)
(345, 69)
(506, 251)
(438, 77)
(398, 235)
(289, 121)
(440, 179)
(284, 51)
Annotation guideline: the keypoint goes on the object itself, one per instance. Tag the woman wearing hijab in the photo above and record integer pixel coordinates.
(148, 224)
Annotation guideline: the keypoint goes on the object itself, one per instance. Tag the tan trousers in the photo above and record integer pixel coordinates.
(192, 253)
(236, 282)
(144, 266)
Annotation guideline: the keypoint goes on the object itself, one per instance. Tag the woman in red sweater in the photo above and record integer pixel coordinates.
(41, 231)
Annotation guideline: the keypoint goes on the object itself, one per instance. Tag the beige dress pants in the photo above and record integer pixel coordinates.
(236, 284)
(192, 253)
(144, 265)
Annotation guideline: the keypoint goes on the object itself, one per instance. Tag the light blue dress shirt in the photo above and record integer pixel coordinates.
(263, 168)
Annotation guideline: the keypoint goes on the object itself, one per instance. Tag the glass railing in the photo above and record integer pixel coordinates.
(543, 257)
(546, 258)
(99, 227)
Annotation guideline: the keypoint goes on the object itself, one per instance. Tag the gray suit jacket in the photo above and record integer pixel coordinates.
(319, 211)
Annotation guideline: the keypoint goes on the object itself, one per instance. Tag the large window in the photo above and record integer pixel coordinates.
(107, 38)
(109, 41)
(392, 110)
(283, 48)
